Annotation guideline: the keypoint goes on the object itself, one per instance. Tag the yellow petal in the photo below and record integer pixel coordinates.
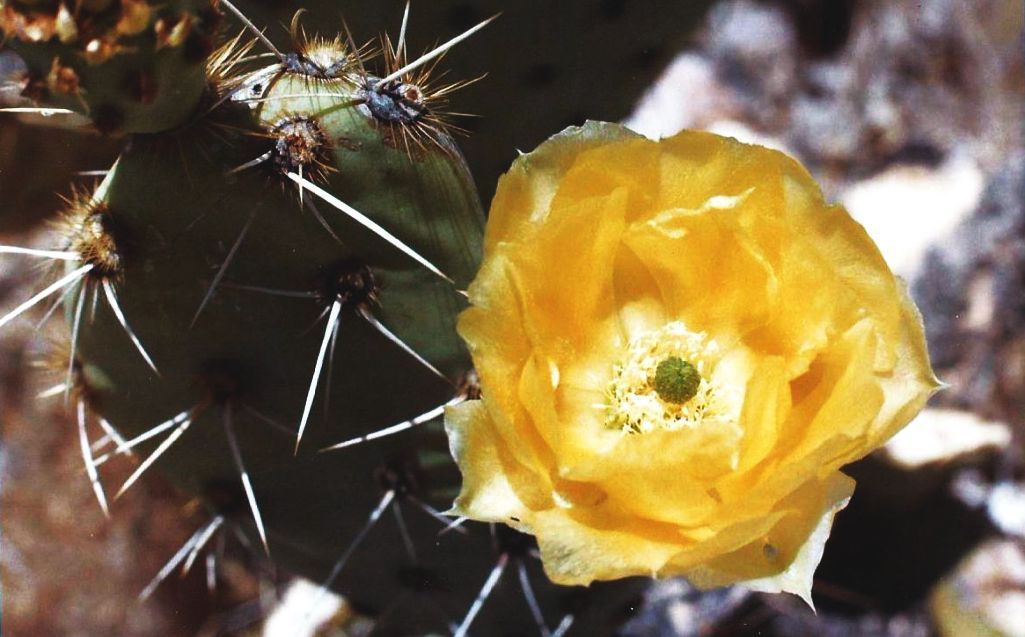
(500, 347)
(685, 250)
(525, 193)
(785, 559)
(578, 548)
(495, 487)
(567, 284)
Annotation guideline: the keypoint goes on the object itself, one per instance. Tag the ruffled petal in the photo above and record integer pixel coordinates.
(495, 487)
(525, 192)
(710, 275)
(785, 559)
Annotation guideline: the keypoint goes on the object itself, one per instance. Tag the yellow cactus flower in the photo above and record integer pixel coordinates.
(680, 343)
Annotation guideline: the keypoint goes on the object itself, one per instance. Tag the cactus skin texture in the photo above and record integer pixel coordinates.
(180, 234)
(128, 65)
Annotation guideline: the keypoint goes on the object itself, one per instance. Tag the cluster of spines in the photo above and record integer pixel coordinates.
(407, 101)
(95, 252)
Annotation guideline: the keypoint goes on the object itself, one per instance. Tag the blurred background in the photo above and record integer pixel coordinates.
(910, 113)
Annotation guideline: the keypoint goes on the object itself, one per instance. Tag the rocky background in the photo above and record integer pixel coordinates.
(909, 112)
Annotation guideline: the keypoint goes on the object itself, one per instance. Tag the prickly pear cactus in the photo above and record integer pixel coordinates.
(262, 307)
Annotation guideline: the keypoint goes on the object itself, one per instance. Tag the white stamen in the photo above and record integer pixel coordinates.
(634, 406)
(367, 222)
(61, 283)
(485, 591)
(336, 308)
(427, 57)
(108, 289)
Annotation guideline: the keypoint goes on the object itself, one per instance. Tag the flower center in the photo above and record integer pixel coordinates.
(665, 382)
(676, 380)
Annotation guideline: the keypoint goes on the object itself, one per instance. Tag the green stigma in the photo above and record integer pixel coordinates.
(676, 380)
